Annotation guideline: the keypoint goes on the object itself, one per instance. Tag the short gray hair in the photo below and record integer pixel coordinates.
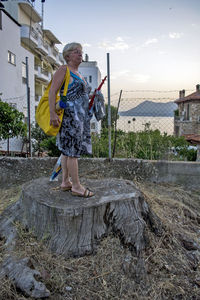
(70, 47)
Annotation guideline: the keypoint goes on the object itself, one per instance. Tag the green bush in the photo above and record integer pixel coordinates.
(49, 144)
(147, 144)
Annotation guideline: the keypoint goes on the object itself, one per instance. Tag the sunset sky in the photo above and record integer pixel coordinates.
(153, 44)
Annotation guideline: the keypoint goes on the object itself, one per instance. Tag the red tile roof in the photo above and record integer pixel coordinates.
(193, 138)
(193, 96)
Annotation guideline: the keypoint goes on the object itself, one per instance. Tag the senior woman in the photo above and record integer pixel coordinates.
(74, 137)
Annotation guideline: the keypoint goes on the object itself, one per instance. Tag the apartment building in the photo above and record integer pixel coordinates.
(22, 36)
(13, 71)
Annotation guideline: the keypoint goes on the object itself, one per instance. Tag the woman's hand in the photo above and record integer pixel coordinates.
(54, 119)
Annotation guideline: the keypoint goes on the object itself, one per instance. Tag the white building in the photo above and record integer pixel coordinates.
(22, 36)
(12, 71)
(90, 71)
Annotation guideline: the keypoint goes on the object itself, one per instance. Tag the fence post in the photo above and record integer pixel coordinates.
(109, 109)
(115, 138)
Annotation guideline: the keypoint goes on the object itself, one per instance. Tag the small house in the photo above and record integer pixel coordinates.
(187, 117)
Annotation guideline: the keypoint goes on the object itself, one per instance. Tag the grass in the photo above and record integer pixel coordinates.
(172, 271)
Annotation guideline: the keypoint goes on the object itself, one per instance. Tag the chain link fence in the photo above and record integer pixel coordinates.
(144, 127)
(140, 107)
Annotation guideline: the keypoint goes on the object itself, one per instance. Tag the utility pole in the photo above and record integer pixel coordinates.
(28, 107)
(42, 13)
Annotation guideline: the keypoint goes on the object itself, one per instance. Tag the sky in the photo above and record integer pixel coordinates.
(153, 44)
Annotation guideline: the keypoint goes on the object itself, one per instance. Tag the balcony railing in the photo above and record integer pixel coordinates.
(34, 33)
(42, 74)
(46, 46)
(29, 36)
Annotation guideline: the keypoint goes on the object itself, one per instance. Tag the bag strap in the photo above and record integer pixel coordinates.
(66, 79)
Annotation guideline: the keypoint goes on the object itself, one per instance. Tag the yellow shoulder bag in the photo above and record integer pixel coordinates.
(42, 115)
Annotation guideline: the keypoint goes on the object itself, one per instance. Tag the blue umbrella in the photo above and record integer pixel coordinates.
(56, 170)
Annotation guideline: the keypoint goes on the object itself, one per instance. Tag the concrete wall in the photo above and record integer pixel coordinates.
(21, 170)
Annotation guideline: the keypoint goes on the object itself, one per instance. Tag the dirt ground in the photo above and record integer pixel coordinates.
(171, 260)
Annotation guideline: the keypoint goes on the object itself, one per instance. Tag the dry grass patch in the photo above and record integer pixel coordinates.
(172, 271)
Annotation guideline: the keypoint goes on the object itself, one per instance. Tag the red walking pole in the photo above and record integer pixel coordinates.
(98, 89)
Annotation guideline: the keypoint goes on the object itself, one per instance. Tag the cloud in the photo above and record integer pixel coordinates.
(175, 35)
(118, 44)
(147, 43)
(121, 73)
(141, 78)
(161, 52)
(151, 41)
(86, 45)
(128, 75)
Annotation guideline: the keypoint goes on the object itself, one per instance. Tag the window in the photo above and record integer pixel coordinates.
(90, 79)
(11, 58)
(188, 112)
(23, 72)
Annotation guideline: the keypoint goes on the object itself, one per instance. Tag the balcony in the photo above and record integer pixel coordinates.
(41, 74)
(52, 55)
(27, 7)
(60, 61)
(29, 36)
(42, 47)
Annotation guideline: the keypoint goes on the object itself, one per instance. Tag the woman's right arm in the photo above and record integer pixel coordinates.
(55, 85)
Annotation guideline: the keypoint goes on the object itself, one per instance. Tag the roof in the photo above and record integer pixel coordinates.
(192, 138)
(193, 96)
(51, 36)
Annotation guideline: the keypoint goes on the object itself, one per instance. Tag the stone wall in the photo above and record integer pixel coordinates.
(21, 170)
(191, 126)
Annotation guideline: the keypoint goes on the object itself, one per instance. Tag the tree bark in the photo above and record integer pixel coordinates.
(73, 226)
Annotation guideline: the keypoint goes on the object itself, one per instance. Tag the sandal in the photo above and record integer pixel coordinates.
(87, 194)
(64, 189)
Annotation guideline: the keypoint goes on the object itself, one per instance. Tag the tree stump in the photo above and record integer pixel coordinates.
(73, 226)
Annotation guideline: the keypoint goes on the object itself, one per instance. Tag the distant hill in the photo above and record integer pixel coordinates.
(151, 109)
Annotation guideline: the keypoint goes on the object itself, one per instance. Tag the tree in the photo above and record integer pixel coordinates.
(104, 122)
(11, 122)
(39, 136)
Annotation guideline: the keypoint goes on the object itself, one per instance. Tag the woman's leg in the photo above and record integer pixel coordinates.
(72, 164)
(66, 183)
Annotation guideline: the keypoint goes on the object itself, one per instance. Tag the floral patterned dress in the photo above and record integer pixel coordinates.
(74, 137)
